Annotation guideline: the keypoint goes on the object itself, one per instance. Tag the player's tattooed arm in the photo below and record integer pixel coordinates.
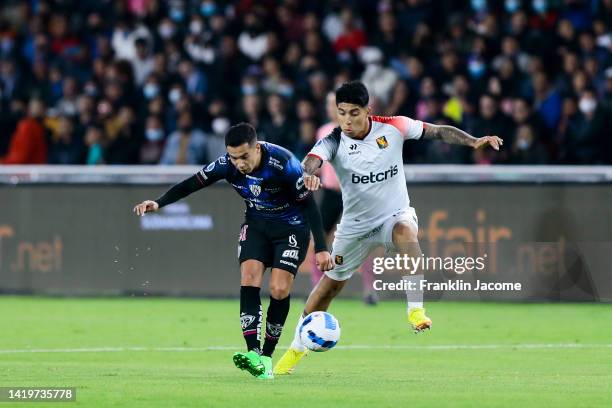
(453, 135)
(310, 165)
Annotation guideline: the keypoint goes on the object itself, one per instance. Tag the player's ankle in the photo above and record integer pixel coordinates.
(414, 305)
(298, 346)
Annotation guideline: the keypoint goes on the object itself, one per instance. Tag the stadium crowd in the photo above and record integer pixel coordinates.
(152, 81)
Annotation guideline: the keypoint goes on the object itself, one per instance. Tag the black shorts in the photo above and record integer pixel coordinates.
(331, 209)
(276, 244)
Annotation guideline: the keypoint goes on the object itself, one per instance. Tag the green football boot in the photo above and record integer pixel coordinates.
(267, 374)
(249, 361)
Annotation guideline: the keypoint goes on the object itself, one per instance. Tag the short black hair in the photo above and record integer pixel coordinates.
(240, 134)
(353, 92)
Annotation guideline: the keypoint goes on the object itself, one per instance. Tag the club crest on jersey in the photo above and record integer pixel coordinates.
(339, 260)
(293, 241)
(382, 142)
(255, 189)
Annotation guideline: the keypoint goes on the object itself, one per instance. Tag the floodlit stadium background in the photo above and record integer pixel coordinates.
(143, 311)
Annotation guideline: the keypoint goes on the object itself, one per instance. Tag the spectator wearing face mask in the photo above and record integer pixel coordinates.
(596, 125)
(583, 131)
(155, 138)
(527, 149)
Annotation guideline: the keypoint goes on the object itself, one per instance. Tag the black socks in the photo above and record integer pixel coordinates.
(275, 320)
(250, 316)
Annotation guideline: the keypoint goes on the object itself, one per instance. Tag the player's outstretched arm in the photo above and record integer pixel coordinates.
(176, 192)
(310, 165)
(453, 135)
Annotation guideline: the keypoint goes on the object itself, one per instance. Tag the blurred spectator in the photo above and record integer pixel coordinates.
(279, 128)
(582, 137)
(10, 80)
(547, 100)
(215, 142)
(186, 145)
(194, 80)
(67, 105)
(523, 114)
(111, 66)
(352, 36)
(379, 79)
(28, 145)
(123, 141)
(126, 35)
(387, 38)
(253, 41)
(491, 121)
(153, 146)
(251, 109)
(142, 60)
(64, 145)
(430, 151)
(93, 142)
(526, 148)
(308, 133)
(595, 127)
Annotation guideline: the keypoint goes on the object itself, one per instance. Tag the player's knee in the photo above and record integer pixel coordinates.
(250, 278)
(405, 232)
(279, 290)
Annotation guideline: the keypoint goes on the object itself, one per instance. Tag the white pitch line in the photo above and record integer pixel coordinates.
(347, 347)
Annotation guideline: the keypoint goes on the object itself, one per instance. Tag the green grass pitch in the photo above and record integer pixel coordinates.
(156, 352)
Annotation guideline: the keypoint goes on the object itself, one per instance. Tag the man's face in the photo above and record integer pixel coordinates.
(245, 157)
(353, 119)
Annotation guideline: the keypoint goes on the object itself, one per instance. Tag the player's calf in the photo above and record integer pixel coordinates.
(275, 321)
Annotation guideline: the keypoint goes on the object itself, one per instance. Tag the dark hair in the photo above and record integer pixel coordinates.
(353, 92)
(240, 134)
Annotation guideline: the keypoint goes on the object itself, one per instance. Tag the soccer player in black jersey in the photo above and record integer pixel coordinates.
(276, 231)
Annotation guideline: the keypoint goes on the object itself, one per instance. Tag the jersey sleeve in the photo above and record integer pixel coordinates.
(326, 148)
(294, 179)
(213, 172)
(408, 127)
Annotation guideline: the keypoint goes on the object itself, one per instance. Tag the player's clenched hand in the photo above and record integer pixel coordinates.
(493, 141)
(312, 183)
(324, 261)
(145, 207)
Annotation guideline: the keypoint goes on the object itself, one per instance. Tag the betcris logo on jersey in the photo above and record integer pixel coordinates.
(374, 177)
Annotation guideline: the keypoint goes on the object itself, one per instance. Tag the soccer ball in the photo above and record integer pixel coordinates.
(319, 331)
